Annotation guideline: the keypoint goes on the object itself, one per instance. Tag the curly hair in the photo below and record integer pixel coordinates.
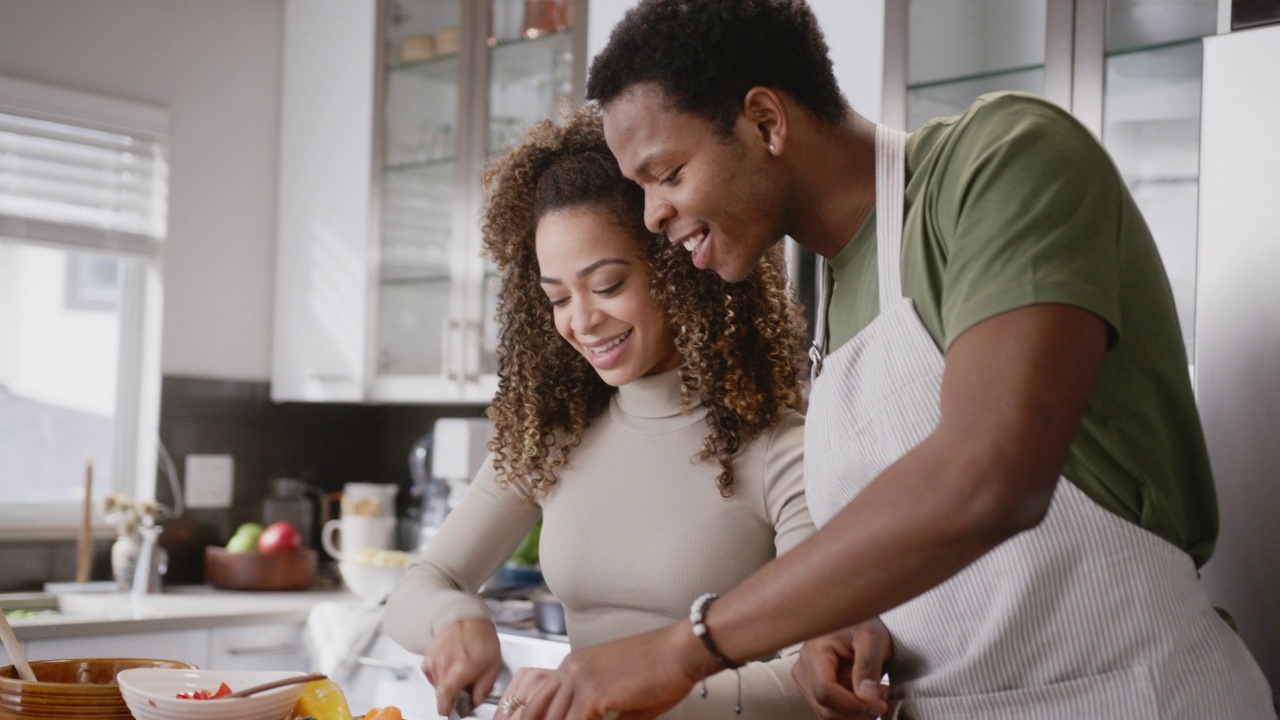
(706, 54)
(741, 343)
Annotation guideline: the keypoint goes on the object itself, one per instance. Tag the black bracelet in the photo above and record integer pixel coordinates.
(697, 615)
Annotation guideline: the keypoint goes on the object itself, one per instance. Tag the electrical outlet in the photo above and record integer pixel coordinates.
(210, 480)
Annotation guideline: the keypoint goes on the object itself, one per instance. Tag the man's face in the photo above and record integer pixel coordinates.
(717, 196)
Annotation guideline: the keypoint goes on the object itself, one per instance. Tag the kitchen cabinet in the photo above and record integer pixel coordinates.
(1128, 69)
(390, 111)
(257, 647)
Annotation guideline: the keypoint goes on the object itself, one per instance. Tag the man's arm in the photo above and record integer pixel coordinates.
(1013, 392)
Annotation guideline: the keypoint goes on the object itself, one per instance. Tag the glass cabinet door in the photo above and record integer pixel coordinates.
(957, 51)
(1151, 125)
(417, 238)
(531, 78)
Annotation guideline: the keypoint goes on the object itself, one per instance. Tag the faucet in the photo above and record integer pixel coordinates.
(146, 574)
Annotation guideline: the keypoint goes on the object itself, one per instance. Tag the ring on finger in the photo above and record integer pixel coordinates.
(510, 705)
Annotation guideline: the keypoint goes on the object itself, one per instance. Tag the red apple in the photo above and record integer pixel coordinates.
(280, 536)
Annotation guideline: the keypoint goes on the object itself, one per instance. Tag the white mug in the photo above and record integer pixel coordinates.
(369, 499)
(357, 532)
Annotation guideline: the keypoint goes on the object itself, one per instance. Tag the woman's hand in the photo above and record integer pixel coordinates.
(466, 655)
(523, 685)
(839, 674)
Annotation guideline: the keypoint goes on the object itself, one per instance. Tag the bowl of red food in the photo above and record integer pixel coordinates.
(156, 694)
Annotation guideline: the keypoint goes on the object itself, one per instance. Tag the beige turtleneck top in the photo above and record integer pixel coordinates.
(633, 531)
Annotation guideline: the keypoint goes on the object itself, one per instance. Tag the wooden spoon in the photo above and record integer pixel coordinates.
(274, 684)
(15, 650)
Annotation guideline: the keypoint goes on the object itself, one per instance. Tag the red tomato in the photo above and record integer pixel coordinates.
(204, 694)
(280, 536)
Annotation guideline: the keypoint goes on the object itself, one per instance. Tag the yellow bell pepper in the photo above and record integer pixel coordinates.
(322, 700)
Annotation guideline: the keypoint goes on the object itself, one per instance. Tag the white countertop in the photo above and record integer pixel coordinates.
(179, 608)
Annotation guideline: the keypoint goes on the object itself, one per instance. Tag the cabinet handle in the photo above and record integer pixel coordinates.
(400, 672)
(473, 346)
(281, 649)
(321, 377)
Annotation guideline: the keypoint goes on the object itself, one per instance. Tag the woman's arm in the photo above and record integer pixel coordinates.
(434, 609)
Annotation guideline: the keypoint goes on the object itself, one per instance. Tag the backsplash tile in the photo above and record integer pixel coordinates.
(322, 444)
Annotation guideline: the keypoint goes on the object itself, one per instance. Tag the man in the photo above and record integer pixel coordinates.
(1002, 448)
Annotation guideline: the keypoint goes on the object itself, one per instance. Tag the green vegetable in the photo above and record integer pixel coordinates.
(527, 554)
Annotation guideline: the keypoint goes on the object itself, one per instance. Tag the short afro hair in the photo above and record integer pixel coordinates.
(706, 54)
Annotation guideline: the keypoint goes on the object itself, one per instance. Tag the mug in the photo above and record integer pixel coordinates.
(357, 532)
(369, 499)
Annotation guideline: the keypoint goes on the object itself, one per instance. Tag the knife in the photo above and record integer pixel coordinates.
(462, 706)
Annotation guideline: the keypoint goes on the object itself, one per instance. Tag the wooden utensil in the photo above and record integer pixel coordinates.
(84, 545)
(15, 650)
(273, 685)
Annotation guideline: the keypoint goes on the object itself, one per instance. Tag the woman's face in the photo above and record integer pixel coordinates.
(598, 284)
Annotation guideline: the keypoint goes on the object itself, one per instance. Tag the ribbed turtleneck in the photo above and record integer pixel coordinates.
(651, 405)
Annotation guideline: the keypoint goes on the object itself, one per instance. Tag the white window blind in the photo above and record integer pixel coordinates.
(94, 177)
(83, 213)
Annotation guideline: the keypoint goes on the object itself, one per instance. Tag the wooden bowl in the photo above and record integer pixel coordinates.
(259, 571)
(80, 689)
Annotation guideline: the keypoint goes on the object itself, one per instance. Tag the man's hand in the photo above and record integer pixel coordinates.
(839, 674)
(466, 655)
(641, 677)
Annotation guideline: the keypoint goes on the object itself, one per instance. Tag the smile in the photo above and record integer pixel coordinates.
(693, 241)
(603, 348)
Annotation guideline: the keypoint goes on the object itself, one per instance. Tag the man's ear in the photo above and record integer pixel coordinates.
(766, 112)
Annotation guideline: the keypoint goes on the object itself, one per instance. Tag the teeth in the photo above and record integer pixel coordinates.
(692, 243)
(602, 349)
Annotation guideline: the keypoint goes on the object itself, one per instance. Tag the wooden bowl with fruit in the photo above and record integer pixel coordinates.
(258, 558)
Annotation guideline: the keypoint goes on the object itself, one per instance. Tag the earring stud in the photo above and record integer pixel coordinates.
(772, 149)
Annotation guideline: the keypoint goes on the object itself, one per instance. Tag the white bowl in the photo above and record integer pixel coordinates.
(152, 694)
(370, 583)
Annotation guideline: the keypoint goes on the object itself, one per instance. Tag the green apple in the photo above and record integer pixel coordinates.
(245, 538)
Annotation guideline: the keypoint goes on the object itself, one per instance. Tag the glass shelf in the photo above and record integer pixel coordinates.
(434, 167)
(516, 61)
(441, 68)
(413, 276)
(939, 99)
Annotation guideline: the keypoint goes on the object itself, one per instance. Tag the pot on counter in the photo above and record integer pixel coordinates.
(548, 613)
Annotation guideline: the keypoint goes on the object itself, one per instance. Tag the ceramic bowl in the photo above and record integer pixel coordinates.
(80, 688)
(371, 583)
(152, 694)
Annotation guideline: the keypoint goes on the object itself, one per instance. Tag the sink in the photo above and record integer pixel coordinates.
(25, 606)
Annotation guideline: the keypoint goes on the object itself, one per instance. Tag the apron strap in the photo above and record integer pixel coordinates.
(891, 176)
(819, 347)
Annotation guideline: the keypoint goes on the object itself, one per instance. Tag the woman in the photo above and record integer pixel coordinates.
(659, 437)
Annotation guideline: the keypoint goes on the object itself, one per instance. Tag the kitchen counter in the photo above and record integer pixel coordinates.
(178, 608)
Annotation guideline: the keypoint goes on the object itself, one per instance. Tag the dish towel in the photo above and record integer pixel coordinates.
(337, 633)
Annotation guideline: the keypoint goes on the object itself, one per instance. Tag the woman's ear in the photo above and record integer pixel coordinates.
(765, 111)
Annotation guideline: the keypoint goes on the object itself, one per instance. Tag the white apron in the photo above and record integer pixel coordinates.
(1084, 616)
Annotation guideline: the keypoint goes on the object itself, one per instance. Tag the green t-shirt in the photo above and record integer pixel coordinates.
(1014, 203)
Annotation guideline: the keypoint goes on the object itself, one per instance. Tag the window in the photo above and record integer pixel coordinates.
(83, 211)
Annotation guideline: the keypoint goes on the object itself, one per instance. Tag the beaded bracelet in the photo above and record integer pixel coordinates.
(697, 614)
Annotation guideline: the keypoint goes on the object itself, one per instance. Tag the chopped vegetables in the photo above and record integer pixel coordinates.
(391, 712)
(204, 694)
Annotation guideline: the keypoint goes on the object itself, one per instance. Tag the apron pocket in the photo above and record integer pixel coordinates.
(1124, 693)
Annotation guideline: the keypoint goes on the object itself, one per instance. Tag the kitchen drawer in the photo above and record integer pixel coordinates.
(190, 646)
(257, 647)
